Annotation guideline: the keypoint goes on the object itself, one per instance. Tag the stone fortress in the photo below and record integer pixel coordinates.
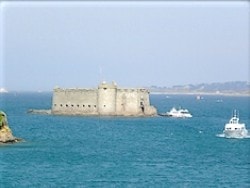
(107, 100)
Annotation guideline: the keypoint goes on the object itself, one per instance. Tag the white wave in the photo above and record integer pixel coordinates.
(221, 135)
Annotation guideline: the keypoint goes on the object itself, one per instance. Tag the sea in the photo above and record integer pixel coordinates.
(93, 151)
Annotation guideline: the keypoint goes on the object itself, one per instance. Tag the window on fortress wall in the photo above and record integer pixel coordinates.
(105, 88)
(72, 105)
(61, 105)
(104, 105)
(83, 105)
(54, 104)
(95, 106)
(78, 105)
(89, 106)
(67, 105)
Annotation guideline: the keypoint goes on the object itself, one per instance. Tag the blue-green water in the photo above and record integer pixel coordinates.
(63, 151)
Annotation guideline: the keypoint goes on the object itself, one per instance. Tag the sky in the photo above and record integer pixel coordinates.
(164, 43)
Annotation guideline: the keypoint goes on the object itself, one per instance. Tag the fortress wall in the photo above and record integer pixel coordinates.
(74, 101)
(144, 97)
(127, 102)
(145, 103)
(134, 102)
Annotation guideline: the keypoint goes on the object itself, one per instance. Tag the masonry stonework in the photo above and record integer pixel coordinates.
(107, 99)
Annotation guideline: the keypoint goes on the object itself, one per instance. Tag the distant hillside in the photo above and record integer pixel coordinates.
(232, 88)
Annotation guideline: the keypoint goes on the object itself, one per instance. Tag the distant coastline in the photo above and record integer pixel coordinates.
(199, 93)
(236, 88)
(151, 93)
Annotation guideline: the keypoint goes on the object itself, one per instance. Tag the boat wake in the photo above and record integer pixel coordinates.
(222, 135)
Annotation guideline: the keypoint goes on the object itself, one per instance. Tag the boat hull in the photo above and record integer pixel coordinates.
(175, 116)
(235, 133)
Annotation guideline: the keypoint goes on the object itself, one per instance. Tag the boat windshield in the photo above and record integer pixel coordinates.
(234, 120)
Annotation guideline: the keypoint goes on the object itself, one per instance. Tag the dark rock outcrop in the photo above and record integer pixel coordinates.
(36, 111)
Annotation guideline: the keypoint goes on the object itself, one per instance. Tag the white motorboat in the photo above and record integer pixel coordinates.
(234, 129)
(180, 113)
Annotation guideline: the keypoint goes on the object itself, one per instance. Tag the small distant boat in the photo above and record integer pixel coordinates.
(3, 90)
(234, 129)
(181, 113)
(198, 97)
(219, 101)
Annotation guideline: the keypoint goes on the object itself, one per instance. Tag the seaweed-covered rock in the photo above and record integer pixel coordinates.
(5, 132)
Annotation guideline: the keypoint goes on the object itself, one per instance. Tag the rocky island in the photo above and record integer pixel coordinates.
(5, 132)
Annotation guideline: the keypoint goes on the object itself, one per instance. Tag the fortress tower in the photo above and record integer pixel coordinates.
(107, 98)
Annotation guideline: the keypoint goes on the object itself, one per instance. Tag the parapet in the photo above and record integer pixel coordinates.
(105, 85)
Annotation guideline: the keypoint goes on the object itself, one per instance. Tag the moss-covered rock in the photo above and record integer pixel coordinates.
(5, 132)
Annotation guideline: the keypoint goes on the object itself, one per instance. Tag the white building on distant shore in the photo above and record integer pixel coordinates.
(3, 90)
